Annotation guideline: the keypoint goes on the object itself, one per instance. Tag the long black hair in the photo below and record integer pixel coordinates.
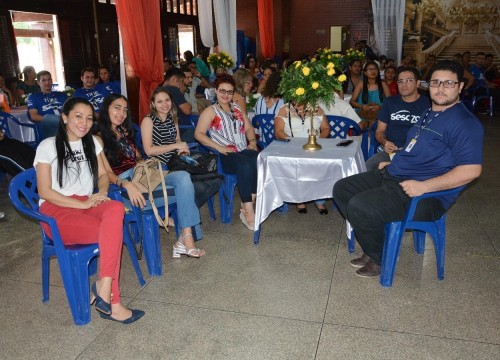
(364, 93)
(111, 147)
(64, 152)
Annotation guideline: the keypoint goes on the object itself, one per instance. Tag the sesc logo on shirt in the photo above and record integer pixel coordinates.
(404, 116)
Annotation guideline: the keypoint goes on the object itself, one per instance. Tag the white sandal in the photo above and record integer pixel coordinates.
(180, 249)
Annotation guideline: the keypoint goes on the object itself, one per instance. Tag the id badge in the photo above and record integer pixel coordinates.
(411, 145)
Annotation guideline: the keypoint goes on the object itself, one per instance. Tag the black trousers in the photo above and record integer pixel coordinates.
(18, 152)
(371, 199)
(244, 165)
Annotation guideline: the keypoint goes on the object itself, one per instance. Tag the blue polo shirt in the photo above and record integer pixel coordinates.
(95, 96)
(50, 103)
(444, 140)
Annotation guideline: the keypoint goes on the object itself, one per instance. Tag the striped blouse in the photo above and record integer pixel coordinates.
(228, 129)
(164, 133)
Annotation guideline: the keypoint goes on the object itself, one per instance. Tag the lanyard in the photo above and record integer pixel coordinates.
(423, 127)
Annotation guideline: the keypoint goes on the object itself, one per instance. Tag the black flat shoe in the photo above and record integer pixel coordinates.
(100, 305)
(323, 211)
(302, 210)
(136, 315)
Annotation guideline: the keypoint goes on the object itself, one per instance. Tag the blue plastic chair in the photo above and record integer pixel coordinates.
(394, 234)
(487, 96)
(4, 121)
(76, 262)
(265, 124)
(340, 126)
(4, 127)
(374, 144)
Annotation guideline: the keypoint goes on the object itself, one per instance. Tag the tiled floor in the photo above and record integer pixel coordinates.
(294, 296)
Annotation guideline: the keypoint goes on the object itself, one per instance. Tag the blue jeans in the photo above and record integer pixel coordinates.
(187, 211)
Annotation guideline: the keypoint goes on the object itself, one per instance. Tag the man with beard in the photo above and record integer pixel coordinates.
(442, 151)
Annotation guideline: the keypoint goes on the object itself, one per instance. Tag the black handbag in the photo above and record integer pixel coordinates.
(195, 163)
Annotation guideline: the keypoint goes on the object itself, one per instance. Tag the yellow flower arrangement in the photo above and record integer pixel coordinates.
(327, 56)
(221, 60)
(352, 54)
(309, 83)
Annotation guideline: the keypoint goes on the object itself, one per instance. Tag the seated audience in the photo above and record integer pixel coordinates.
(202, 68)
(229, 129)
(109, 85)
(354, 76)
(491, 72)
(442, 151)
(28, 85)
(243, 87)
(343, 108)
(160, 138)
(397, 115)
(198, 87)
(369, 94)
(293, 120)
(425, 71)
(45, 106)
(11, 99)
(266, 72)
(270, 100)
(174, 85)
(90, 91)
(390, 79)
(68, 169)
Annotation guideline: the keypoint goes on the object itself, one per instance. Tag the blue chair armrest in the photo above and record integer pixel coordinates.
(414, 200)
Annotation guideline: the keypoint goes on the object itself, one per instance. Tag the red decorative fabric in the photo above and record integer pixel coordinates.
(139, 23)
(266, 27)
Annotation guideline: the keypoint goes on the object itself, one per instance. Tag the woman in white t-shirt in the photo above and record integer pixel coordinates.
(68, 170)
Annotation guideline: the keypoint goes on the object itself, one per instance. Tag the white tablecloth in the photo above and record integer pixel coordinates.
(288, 173)
(21, 133)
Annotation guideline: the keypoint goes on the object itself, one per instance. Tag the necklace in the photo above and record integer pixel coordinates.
(230, 113)
(303, 116)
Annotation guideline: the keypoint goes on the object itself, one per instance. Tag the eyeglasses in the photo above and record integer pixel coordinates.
(224, 92)
(449, 84)
(406, 81)
(371, 69)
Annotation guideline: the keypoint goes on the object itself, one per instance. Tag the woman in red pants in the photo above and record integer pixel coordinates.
(68, 170)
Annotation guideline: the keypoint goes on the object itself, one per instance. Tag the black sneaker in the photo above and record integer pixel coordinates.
(370, 270)
(360, 262)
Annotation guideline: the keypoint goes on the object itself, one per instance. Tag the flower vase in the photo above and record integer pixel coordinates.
(311, 145)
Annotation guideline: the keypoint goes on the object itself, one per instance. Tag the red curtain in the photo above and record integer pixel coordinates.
(139, 23)
(266, 27)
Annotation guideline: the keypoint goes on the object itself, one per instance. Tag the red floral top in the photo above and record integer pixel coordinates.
(228, 129)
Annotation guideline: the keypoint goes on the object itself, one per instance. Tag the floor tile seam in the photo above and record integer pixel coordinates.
(227, 311)
(412, 333)
(328, 297)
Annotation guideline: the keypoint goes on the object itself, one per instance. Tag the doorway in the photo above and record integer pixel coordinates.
(186, 39)
(38, 44)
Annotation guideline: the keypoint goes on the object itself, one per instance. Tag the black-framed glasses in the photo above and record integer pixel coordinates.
(449, 84)
(224, 92)
(406, 81)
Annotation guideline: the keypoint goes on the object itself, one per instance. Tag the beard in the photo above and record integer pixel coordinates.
(445, 101)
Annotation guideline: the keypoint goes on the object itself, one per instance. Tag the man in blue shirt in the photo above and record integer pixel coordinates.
(175, 86)
(442, 151)
(45, 106)
(95, 95)
(397, 115)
